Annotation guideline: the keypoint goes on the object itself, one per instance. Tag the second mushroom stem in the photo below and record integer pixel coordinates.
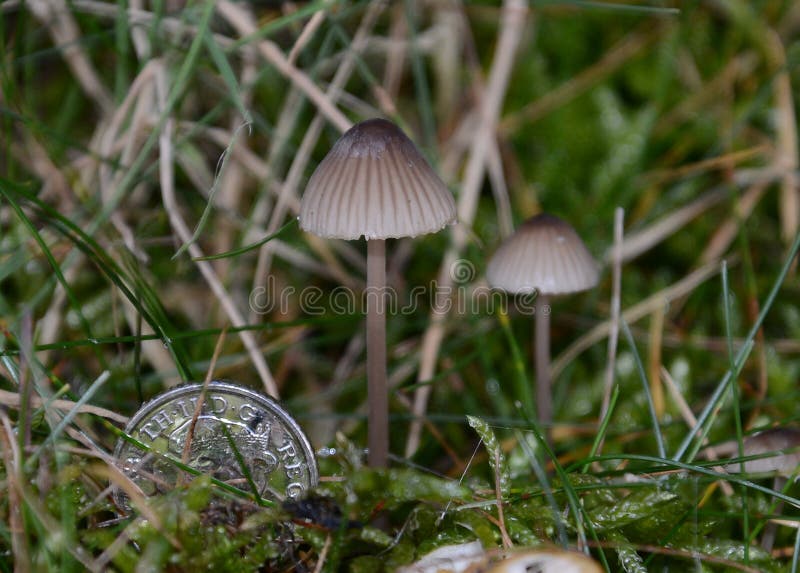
(544, 402)
(377, 390)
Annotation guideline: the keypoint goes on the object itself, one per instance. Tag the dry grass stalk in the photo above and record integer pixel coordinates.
(323, 555)
(501, 520)
(691, 421)
(242, 22)
(25, 500)
(739, 67)
(655, 233)
(760, 355)
(636, 312)
(303, 155)
(58, 19)
(727, 232)
(514, 20)
(616, 297)
(654, 362)
(138, 500)
(13, 400)
(187, 446)
(633, 45)
(494, 166)
(727, 161)
(13, 486)
(309, 30)
(396, 52)
(786, 132)
(446, 58)
(233, 178)
(166, 166)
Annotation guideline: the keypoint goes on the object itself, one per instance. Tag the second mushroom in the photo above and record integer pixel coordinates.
(546, 256)
(375, 183)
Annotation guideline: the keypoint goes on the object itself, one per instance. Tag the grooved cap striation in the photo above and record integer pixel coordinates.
(544, 254)
(375, 183)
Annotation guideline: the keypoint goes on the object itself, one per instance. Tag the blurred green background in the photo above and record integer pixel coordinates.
(141, 136)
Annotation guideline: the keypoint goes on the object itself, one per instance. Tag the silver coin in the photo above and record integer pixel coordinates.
(240, 437)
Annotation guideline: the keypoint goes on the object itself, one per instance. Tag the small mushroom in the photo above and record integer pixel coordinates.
(375, 183)
(546, 561)
(458, 558)
(547, 256)
(784, 445)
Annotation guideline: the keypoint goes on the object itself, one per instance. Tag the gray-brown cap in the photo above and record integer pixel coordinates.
(374, 182)
(544, 254)
(782, 443)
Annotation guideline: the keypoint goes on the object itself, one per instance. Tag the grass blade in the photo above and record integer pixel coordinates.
(74, 303)
(741, 357)
(601, 432)
(737, 412)
(250, 247)
(521, 380)
(107, 265)
(69, 416)
(661, 464)
(646, 386)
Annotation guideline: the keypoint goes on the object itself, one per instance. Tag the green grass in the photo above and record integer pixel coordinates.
(108, 294)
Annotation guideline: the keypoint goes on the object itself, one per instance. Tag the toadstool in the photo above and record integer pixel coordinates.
(546, 256)
(546, 561)
(784, 445)
(375, 183)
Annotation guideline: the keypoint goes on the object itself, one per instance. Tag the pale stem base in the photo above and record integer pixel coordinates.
(771, 528)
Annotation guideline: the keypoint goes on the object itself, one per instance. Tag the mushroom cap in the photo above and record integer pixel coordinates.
(784, 443)
(546, 561)
(374, 182)
(453, 558)
(544, 254)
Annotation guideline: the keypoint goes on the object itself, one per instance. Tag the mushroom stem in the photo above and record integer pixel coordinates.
(377, 391)
(771, 528)
(544, 401)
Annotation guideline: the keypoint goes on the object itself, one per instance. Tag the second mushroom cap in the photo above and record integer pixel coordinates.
(545, 254)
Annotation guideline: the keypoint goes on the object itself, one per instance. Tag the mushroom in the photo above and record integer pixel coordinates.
(546, 561)
(545, 255)
(458, 558)
(784, 445)
(375, 183)
(471, 557)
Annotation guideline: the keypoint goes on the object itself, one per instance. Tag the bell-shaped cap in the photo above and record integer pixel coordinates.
(374, 182)
(546, 255)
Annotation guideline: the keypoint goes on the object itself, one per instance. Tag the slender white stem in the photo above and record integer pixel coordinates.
(544, 400)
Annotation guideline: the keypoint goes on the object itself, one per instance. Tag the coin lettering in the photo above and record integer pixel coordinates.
(157, 424)
(238, 436)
